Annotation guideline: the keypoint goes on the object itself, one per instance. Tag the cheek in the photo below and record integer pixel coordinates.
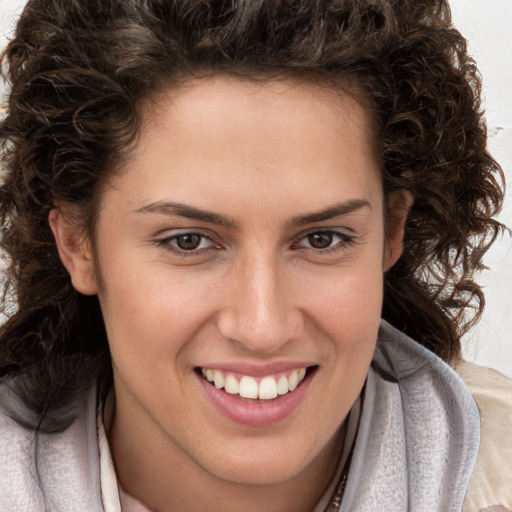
(150, 311)
(352, 295)
(347, 308)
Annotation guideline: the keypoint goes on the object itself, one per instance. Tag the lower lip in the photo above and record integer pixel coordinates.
(255, 413)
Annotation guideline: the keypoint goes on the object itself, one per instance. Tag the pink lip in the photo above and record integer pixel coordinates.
(255, 413)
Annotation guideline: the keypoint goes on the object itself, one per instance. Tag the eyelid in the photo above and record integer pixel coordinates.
(165, 240)
(347, 239)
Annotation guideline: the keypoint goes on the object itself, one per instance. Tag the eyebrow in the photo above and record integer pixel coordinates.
(337, 210)
(191, 212)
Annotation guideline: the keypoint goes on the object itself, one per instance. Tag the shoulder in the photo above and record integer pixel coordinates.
(57, 471)
(491, 482)
(419, 419)
(18, 466)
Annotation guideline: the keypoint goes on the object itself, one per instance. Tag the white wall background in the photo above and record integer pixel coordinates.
(486, 24)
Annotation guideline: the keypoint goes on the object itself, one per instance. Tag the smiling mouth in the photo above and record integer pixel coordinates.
(265, 388)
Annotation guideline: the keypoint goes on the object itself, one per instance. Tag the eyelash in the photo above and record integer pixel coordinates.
(344, 240)
(166, 243)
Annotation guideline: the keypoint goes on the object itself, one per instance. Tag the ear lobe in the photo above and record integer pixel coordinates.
(399, 204)
(74, 251)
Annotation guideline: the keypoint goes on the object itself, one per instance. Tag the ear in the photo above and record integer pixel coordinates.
(75, 252)
(399, 202)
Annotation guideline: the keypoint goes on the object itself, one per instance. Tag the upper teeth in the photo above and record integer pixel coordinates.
(248, 387)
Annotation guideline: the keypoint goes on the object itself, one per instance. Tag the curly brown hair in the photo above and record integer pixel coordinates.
(79, 70)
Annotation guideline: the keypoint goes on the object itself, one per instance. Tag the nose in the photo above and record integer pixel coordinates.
(261, 310)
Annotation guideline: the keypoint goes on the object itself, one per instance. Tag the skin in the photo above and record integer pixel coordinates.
(263, 157)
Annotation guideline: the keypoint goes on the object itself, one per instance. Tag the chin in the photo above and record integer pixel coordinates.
(266, 474)
(268, 466)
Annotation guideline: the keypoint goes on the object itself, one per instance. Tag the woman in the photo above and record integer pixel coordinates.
(208, 206)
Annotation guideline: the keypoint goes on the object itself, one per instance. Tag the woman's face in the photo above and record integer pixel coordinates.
(243, 243)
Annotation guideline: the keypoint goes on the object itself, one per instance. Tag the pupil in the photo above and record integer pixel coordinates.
(188, 242)
(320, 240)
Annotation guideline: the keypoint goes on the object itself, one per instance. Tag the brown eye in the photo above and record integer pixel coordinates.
(320, 240)
(327, 241)
(188, 241)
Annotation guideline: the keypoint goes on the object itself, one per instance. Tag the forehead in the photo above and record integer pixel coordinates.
(275, 102)
(221, 136)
